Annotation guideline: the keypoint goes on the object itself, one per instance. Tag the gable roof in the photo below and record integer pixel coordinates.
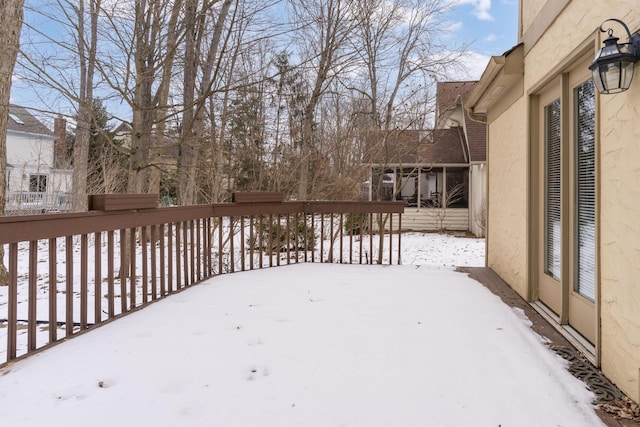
(21, 120)
(409, 147)
(451, 95)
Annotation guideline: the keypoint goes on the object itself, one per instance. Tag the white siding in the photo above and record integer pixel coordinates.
(478, 199)
(428, 219)
(25, 149)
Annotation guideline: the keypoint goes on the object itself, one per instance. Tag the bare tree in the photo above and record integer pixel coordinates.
(10, 25)
(452, 196)
(400, 54)
(239, 77)
(155, 23)
(325, 26)
(197, 27)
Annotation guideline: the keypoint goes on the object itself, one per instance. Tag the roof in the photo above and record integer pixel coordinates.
(451, 95)
(451, 145)
(501, 75)
(476, 138)
(21, 120)
(123, 128)
(437, 146)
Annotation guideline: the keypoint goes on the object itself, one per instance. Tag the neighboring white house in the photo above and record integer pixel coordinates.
(37, 180)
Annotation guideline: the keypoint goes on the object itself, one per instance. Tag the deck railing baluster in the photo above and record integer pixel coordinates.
(232, 258)
(170, 258)
(220, 245)
(132, 272)
(178, 249)
(110, 273)
(242, 242)
(53, 290)
(69, 288)
(97, 278)
(32, 296)
(84, 280)
(154, 266)
(163, 264)
(186, 251)
(322, 237)
(12, 312)
(124, 270)
(144, 284)
(198, 259)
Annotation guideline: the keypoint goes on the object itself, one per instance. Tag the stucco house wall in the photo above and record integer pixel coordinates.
(620, 235)
(559, 37)
(507, 207)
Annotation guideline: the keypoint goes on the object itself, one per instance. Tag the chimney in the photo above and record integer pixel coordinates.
(60, 145)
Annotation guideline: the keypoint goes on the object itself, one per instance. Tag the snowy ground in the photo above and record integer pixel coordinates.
(310, 345)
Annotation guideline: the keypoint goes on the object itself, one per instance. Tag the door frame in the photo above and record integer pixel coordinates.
(559, 83)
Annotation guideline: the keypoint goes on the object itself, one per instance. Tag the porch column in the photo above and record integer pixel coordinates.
(419, 196)
(443, 202)
(395, 182)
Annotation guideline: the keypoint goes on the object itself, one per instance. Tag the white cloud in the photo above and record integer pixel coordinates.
(454, 27)
(473, 65)
(481, 8)
(490, 38)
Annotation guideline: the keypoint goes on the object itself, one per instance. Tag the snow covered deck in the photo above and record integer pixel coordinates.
(306, 345)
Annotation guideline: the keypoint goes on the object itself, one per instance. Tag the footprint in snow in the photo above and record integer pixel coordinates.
(255, 371)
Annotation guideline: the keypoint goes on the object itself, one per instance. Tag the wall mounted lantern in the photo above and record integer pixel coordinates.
(613, 66)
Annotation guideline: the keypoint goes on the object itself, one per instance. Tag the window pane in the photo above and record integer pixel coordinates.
(37, 183)
(585, 215)
(552, 226)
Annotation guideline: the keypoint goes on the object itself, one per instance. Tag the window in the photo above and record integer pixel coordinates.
(38, 183)
(585, 192)
(16, 119)
(552, 190)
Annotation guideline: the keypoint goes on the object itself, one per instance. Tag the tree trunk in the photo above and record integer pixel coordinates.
(85, 104)
(194, 113)
(162, 111)
(10, 26)
(143, 105)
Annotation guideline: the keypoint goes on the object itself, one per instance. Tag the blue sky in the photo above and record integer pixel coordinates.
(489, 26)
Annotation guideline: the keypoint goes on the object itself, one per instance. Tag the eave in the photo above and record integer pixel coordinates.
(502, 74)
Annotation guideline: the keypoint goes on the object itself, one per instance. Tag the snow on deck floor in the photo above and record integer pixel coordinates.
(306, 345)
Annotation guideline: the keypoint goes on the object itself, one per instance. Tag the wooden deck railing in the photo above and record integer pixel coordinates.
(69, 272)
